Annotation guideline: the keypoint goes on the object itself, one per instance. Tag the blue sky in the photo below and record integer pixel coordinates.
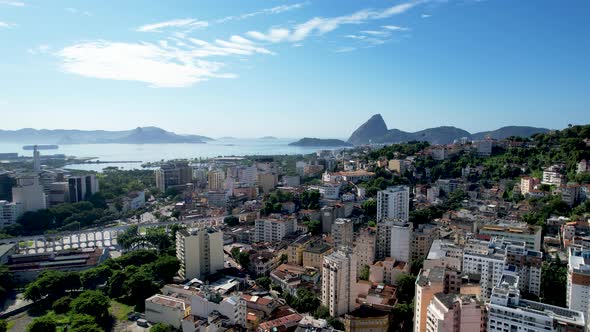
(293, 68)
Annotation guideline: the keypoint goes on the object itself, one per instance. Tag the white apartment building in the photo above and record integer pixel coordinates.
(200, 252)
(497, 257)
(9, 213)
(452, 312)
(393, 202)
(515, 232)
(29, 193)
(248, 174)
(215, 180)
(444, 254)
(273, 230)
(508, 312)
(578, 280)
(552, 175)
(489, 266)
(342, 233)
(393, 239)
(338, 280)
(166, 309)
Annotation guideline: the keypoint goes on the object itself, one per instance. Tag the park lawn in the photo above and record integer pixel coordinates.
(9, 325)
(120, 310)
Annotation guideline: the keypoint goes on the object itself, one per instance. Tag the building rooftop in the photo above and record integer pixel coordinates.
(317, 247)
(168, 301)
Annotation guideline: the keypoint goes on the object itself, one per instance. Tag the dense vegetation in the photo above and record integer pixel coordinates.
(113, 183)
(128, 279)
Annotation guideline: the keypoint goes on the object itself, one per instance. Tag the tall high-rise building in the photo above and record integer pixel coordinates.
(364, 249)
(393, 240)
(455, 313)
(9, 213)
(338, 280)
(36, 160)
(273, 230)
(6, 184)
(421, 238)
(215, 180)
(578, 280)
(173, 174)
(428, 283)
(29, 193)
(507, 311)
(200, 252)
(82, 187)
(342, 233)
(393, 203)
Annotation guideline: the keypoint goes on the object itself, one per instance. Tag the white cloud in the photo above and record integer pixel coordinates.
(321, 25)
(6, 25)
(143, 62)
(359, 37)
(40, 49)
(180, 23)
(267, 11)
(12, 3)
(425, 15)
(160, 64)
(345, 49)
(395, 28)
(78, 11)
(376, 33)
(273, 35)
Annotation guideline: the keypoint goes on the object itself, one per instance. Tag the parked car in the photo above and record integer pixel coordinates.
(142, 322)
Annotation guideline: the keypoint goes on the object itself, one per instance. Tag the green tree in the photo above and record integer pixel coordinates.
(62, 305)
(370, 208)
(264, 282)
(313, 226)
(95, 304)
(42, 324)
(6, 282)
(161, 327)
(231, 221)
(94, 277)
(139, 286)
(165, 268)
(115, 285)
(405, 288)
(3, 326)
(83, 323)
(322, 312)
(53, 284)
(364, 274)
(554, 283)
(403, 314)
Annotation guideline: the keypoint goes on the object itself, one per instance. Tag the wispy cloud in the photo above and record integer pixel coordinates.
(78, 11)
(12, 3)
(6, 25)
(266, 11)
(425, 15)
(321, 25)
(158, 64)
(189, 23)
(395, 28)
(40, 49)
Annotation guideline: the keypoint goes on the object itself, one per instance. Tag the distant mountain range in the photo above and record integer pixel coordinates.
(139, 135)
(320, 142)
(375, 131)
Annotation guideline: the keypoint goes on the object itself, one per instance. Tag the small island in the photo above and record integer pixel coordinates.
(268, 137)
(320, 142)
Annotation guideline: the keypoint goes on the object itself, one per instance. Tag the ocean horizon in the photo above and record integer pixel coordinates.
(157, 152)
